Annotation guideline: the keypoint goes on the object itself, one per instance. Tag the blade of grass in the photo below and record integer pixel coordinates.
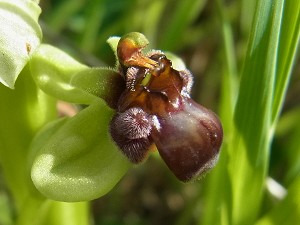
(60, 16)
(249, 161)
(229, 88)
(247, 12)
(151, 27)
(228, 99)
(5, 209)
(288, 129)
(242, 169)
(286, 212)
(185, 12)
(289, 40)
(23, 111)
(95, 14)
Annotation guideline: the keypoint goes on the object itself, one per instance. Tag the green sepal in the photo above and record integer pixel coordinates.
(113, 43)
(52, 70)
(103, 83)
(61, 76)
(75, 159)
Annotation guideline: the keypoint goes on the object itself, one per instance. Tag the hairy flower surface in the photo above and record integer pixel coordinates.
(156, 108)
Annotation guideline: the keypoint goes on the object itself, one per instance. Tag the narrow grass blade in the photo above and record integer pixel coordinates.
(236, 186)
(289, 40)
(286, 212)
(185, 12)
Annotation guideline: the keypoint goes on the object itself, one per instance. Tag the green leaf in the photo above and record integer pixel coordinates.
(288, 130)
(289, 35)
(5, 210)
(247, 136)
(75, 159)
(253, 113)
(20, 35)
(185, 13)
(23, 111)
(220, 176)
(287, 211)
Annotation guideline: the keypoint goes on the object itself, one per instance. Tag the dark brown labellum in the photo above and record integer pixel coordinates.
(131, 130)
(189, 140)
(156, 108)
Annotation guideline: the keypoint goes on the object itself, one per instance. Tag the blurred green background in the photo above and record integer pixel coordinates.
(211, 37)
(192, 29)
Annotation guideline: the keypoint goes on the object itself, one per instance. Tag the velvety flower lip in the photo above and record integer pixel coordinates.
(189, 140)
(131, 130)
(156, 107)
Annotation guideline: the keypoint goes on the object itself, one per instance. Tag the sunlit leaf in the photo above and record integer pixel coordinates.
(287, 211)
(20, 35)
(289, 36)
(243, 167)
(24, 110)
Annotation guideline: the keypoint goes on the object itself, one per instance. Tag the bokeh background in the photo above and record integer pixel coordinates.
(194, 30)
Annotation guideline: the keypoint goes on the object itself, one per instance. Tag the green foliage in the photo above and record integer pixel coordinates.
(287, 211)
(20, 37)
(245, 161)
(247, 49)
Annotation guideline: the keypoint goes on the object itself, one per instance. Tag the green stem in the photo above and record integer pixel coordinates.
(24, 110)
(62, 213)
